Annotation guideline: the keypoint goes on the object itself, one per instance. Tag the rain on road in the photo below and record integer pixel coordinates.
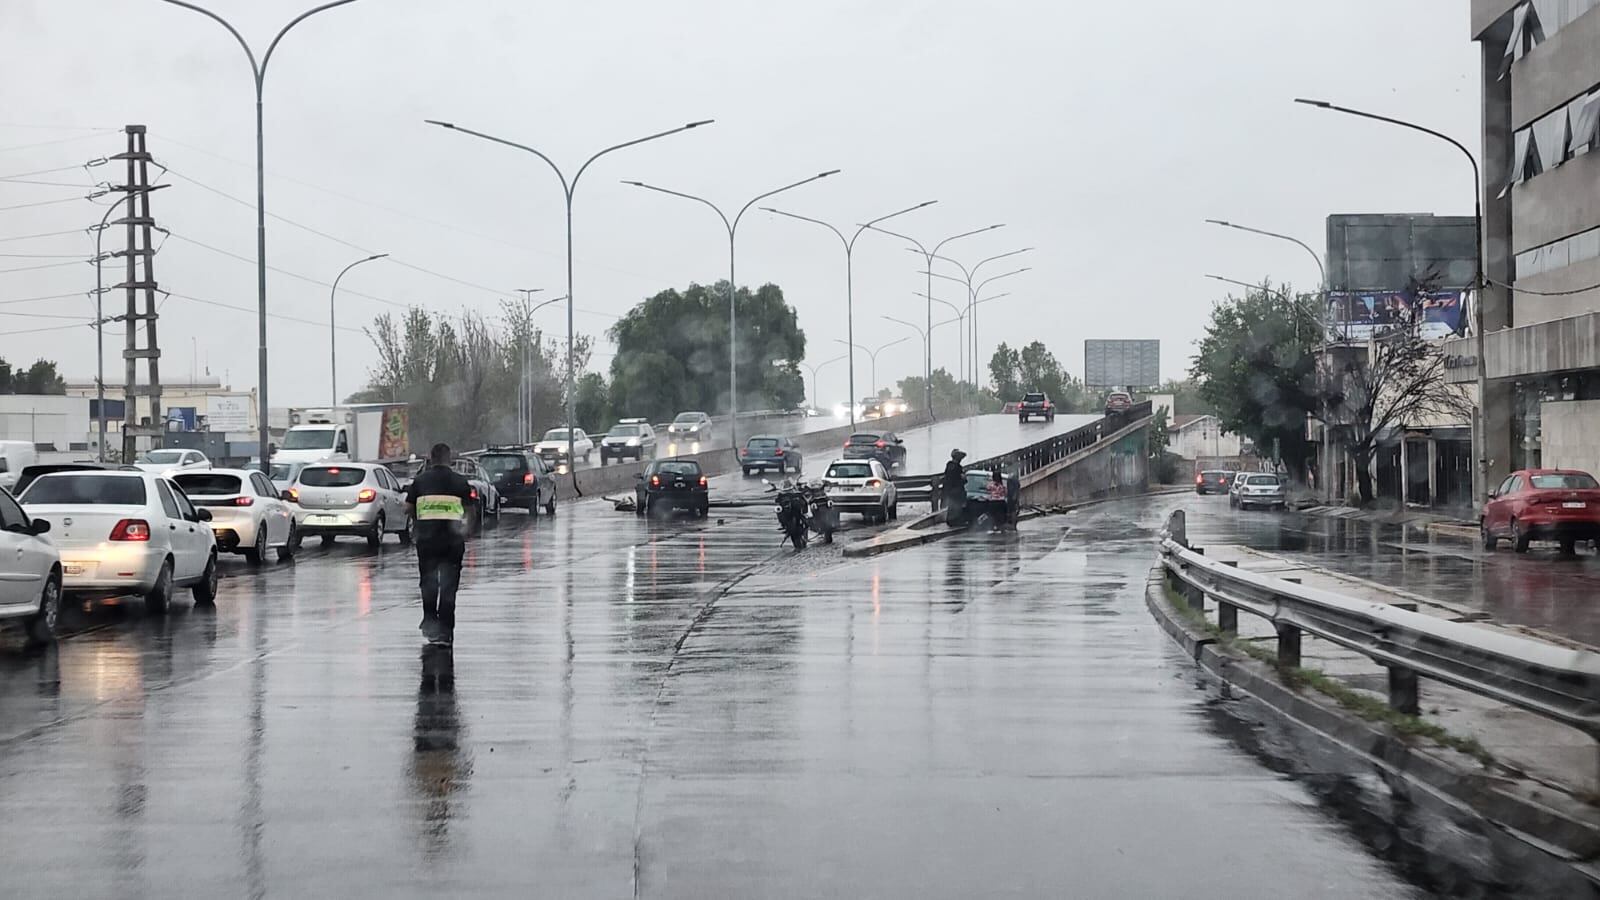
(679, 709)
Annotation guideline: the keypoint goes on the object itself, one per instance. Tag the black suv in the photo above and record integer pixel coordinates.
(522, 478)
(668, 484)
(882, 446)
(1035, 403)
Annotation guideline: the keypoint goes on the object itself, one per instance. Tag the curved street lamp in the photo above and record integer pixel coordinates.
(874, 355)
(733, 335)
(259, 70)
(333, 344)
(567, 190)
(816, 400)
(972, 294)
(849, 278)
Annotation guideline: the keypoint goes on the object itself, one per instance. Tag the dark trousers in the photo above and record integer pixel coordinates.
(440, 568)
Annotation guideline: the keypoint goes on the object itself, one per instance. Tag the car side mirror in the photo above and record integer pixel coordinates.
(638, 476)
(202, 515)
(899, 441)
(286, 496)
(38, 527)
(1493, 494)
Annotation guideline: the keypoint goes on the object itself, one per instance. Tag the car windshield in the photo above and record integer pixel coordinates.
(1213, 476)
(284, 471)
(163, 457)
(978, 481)
(502, 463)
(762, 443)
(678, 468)
(87, 489)
(308, 439)
(1268, 480)
(624, 430)
(332, 476)
(849, 470)
(556, 434)
(201, 484)
(1033, 398)
(1570, 481)
(689, 417)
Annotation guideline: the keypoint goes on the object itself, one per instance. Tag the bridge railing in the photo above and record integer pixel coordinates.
(1035, 456)
(1552, 681)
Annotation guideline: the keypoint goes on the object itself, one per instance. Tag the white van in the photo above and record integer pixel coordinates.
(13, 456)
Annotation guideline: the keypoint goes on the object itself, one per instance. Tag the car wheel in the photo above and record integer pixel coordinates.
(550, 507)
(405, 536)
(746, 471)
(205, 590)
(1519, 541)
(258, 551)
(704, 509)
(159, 597)
(1489, 540)
(42, 626)
(327, 540)
(883, 513)
(375, 536)
(894, 509)
(290, 545)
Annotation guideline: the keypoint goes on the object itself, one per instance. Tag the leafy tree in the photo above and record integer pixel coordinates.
(1187, 399)
(593, 404)
(1034, 368)
(39, 378)
(950, 397)
(1159, 439)
(1256, 366)
(672, 352)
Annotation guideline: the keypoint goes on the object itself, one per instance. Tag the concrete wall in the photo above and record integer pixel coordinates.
(1117, 465)
(45, 419)
(1203, 437)
(1557, 70)
(1571, 434)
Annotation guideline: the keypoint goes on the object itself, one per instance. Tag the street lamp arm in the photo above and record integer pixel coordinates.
(649, 137)
(886, 218)
(903, 237)
(267, 59)
(954, 308)
(961, 281)
(982, 262)
(714, 208)
(1321, 272)
(993, 297)
(255, 70)
(883, 347)
(842, 239)
(1323, 104)
(565, 189)
(964, 234)
(545, 303)
(848, 344)
(913, 327)
(754, 200)
(964, 271)
(979, 289)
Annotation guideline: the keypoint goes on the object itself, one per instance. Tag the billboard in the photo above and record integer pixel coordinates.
(1121, 364)
(1386, 251)
(1359, 315)
(228, 412)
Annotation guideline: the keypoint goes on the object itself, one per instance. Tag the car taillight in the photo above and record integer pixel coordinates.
(847, 443)
(472, 494)
(702, 481)
(778, 452)
(655, 481)
(1222, 481)
(874, 483)
(244, 501)
(527, 478)
(744, 451)
(294, 495)
(881, 444)
(1199, 479)
(131, 530)
(367, 495)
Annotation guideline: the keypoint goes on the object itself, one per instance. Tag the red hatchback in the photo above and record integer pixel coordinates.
(1543, 504)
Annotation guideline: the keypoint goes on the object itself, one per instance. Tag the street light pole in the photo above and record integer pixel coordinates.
(849, 279)
(874, 356)
(259, 70)
(816, 399)
(972, 295)
(928, 257)
(567, 190)
(1478, 435)
(333, 341)
(733, 333)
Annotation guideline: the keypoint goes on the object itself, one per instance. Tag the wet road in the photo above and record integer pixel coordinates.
(928, 448)
(648, 709)
(1539, 589)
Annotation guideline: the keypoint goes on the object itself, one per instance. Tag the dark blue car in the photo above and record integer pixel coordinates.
(770, 451)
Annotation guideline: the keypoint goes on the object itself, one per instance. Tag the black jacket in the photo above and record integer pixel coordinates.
(955, 481)
(438, 498)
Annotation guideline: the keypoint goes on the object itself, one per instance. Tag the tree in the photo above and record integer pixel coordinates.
(1256, 366)
(672, 352)
(593, 404)
(950, 397)
(1187, 399)
(1397, 379)
(39, 378)
(1159, 439)
(1034, 368)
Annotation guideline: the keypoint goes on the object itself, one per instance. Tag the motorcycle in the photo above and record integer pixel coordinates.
(803, 508)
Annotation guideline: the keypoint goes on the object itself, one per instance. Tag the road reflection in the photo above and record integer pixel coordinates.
(438, 770)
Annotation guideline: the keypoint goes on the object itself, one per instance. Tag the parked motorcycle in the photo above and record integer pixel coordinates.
(804, 508)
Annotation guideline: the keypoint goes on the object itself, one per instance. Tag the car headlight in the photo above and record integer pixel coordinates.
(633, 442)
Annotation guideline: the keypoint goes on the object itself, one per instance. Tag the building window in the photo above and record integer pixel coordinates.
(1580, 247)
(1567, 131)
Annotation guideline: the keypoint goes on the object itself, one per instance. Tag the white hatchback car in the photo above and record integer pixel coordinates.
(166, 462)
(247, 517)
(358, 499)
(30, 572)
(126, 532)
(863, 486)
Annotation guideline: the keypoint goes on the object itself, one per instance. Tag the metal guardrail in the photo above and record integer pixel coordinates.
(1555, 682)
(1035, 456)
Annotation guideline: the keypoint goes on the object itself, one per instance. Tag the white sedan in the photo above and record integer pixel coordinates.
(166, 462)
(247, 515)
(30, 572)
(863, 486)
(552, 448)
(126, 532)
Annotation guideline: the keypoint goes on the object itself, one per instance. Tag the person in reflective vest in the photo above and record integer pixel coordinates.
(437, 501)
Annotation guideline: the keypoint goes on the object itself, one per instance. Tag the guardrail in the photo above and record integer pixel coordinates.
(1555, 682)
(925, 488)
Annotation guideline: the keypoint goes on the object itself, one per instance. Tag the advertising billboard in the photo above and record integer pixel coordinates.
(1359, 315)
(226, 412)
(1121, 364)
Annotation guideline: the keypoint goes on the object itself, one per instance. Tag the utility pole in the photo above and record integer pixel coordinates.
(139, 283)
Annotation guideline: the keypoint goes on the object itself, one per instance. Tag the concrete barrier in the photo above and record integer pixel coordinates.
(1116, 465)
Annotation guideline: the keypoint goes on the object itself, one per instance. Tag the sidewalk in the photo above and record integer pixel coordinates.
(1455, 523)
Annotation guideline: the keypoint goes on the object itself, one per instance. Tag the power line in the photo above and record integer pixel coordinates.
(42, 234)
(307, 278)
(44, 202)
(41, 256)
(54, 265)
(46, 328)
(66, 140)
(252, 311)
(1519, 290)
(45, 297)
(40, 172)
(48, 316)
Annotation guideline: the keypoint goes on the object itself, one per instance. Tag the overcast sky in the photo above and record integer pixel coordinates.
(1101, 134)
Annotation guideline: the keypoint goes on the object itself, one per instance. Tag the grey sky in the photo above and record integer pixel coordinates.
(1102, 134)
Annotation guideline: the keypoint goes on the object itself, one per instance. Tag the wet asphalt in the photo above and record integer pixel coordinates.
(655, 709)
(1540, 589)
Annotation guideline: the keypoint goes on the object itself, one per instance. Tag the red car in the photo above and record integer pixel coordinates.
(1542, 504)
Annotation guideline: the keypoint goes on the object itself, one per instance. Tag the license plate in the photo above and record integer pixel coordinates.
(1574, 504)
(321, 520)
(72, 568)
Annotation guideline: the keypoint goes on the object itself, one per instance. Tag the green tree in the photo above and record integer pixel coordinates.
(950, 397)
(1256, 365)
(593, 404)
(672, 352)
(1014, 372)
(39, 378)
(1187, 399)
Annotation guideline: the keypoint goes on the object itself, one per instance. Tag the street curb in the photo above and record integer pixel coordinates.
(1458, 821)
(921, 530)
